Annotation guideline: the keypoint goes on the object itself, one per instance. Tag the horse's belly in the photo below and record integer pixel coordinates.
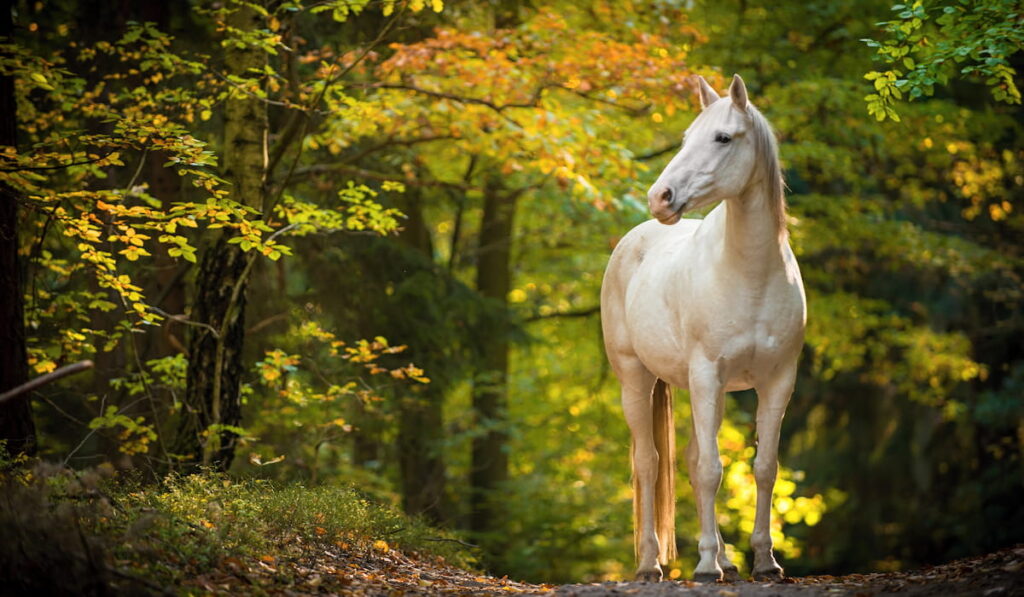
(745, 354)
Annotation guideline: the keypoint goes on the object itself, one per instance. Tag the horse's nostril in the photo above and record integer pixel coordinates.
(666, 195)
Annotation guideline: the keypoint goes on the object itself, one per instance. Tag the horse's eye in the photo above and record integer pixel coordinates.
(722, 138)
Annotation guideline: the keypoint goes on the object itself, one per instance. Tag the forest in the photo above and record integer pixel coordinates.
(335, 265)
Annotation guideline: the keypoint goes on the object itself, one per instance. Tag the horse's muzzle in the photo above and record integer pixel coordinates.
(664, 205)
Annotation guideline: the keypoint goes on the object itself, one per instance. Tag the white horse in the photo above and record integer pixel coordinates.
(712, 305)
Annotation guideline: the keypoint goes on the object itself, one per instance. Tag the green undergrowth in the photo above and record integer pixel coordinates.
(103, 531)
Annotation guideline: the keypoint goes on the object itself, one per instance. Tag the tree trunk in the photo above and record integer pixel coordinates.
(489, 460)
(490, 387)
(215, 361)
(421, 411)
(420, 435)
(16, 424)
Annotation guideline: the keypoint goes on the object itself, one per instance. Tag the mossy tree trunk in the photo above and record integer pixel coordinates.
(489, 467)
(489, 458)
(16, 424)
(215, 360)
(421, 410)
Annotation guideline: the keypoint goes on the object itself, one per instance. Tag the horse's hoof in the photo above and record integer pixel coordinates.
(769, 575)
(707, 577)
(731, 574)
(649, 576)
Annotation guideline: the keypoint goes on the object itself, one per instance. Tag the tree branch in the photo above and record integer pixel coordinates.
(657, 153)
(57, 167)
(587, 312)
(362, 172)
(43, 380)
(392, 142)
(499, 108)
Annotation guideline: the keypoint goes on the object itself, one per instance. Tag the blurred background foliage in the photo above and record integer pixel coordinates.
(517, 141)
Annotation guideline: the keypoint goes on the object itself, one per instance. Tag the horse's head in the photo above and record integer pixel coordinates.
(717, 159)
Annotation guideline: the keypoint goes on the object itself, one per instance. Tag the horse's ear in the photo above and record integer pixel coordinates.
(738, 93)
(705, 91)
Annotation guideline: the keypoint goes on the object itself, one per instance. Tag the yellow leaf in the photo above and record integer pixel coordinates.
(381, 545)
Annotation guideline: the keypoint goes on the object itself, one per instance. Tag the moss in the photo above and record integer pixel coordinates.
(107, 533)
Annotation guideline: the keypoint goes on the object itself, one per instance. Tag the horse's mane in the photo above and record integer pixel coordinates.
(767, 149)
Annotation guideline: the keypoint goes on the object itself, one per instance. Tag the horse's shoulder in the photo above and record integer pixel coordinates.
(649, 233)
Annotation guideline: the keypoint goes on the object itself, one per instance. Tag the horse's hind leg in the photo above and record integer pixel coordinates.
(772, 399)
(637, 383)
(729, 570)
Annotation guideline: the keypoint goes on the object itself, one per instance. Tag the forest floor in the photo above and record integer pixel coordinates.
(339, 571)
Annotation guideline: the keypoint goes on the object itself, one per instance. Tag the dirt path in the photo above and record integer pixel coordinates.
(999, 574)
(347, 572)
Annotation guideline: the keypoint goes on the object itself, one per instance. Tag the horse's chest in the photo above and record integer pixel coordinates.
(748, 334)
(743, 332)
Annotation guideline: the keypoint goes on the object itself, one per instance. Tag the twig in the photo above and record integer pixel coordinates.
(498, 109)
(256, 97)
(577, 313)
(136, 355)
(79, 446)
(266, 322)
(142, 581)
(42, 380)
(281, 231)
(184, 320)
(392, 142)
(57, 167)
(60, 410)
(364, 173)
(459, 541)
(656, 153)
(142, 162)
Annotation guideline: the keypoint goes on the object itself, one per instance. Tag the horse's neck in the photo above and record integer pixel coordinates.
(751, 240)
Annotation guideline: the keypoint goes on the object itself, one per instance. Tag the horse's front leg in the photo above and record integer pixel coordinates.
(772, 398)
(730, 572)
(706, 394)
(637, 405)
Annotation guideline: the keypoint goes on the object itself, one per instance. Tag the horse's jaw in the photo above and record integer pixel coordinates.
(672, 219)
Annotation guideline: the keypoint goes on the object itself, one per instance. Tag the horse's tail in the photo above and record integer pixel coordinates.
(665, 487)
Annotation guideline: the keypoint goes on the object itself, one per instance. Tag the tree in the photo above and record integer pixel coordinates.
(489, 460)
(17, 428)
(521, 125)
(927, 41)
(209, 425)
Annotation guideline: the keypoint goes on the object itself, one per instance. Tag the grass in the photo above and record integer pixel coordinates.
(105, 531)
